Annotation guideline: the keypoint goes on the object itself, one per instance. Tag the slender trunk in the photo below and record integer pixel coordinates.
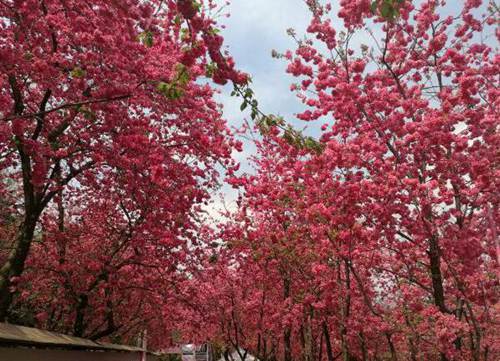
(459, 312)
(320, 356)
(411, 337)
(259, 338)
(394, 356)
(437, 278)
(264, 354)
(287, 333)
(308, 342)
(329, 350)
(345, 310)
(287, 336)
(261, 318)
(363, 346)
(303, 342)
(475, 333)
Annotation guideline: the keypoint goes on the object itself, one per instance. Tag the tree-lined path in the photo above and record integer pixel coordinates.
(372, 237)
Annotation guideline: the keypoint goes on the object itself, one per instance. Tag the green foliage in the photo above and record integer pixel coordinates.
(300, 141)
(146, 38)
(175, 89)
(248, 100)
(87, 113)
(210, 70)
(389, 9)
(197, 5)
(266, 122)
(176, 336)
(213, 31)
(169, 90)
(185, 34)
(77, 72)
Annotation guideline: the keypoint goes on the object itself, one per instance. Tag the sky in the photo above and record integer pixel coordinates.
(253, 29)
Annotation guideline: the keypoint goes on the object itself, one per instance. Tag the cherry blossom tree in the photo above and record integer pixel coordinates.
(100, 95)
(381, 241)
(376, 241)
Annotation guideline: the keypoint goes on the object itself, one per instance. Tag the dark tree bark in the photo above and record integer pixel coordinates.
(329, 350)
(14, 265)
(287, 333)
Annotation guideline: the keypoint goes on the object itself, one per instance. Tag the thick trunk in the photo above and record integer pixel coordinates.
(79, 326)
(437, 278)
(14, 265)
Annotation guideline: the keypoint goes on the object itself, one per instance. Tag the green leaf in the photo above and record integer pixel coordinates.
(185, 34)
(146, 38)
(77, 72)
(243, 106)
(312, 144)
(175, 93)
(387, 10)
(374, 7)
(289, 137)
(210, 70)
(213, 31)
(171, 91)
(197, 5)
(87, 113)
(162, 87)
(183, 77)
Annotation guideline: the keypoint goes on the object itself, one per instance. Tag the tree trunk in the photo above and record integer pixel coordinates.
(345, 311)
(308, 340)
(287, 333)
(394, 356)
(329, 350)
(437, 278)
(14, 265)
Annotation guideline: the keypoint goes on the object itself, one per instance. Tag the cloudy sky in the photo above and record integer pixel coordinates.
(252, 31)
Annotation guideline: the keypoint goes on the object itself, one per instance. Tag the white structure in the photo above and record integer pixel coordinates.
(192, 352)
(235, 356)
